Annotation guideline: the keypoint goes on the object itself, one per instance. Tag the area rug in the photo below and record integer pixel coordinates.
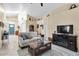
(24, 52)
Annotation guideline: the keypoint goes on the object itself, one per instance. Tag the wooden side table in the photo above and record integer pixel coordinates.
(36, 50)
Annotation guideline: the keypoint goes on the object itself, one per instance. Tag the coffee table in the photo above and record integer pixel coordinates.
(36, 49)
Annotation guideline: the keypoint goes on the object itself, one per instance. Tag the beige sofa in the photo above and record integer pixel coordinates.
(25, 41)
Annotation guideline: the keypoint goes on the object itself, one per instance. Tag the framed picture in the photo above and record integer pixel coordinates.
(37, 25)
(42, 26)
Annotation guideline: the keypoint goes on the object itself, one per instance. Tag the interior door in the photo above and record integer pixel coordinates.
(11, 28)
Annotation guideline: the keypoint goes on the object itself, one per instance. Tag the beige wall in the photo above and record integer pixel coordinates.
(34, 22)
(44, 23)
(64, 18)
(40, 29)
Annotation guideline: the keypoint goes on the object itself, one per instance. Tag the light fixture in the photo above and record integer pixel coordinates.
(41, 4)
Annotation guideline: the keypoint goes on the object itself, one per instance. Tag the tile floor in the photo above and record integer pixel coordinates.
(10, 48)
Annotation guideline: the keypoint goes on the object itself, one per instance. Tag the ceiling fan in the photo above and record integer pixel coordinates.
(40, 4)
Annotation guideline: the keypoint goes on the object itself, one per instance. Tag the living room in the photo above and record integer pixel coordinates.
(37, 26)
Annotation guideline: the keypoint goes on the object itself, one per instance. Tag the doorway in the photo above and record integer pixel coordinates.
(11, 28)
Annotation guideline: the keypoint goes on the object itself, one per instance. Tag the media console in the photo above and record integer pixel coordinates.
(65, 40)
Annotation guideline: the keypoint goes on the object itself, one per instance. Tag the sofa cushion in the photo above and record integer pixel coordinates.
(24, 36)
(32, 34)
(29, 35)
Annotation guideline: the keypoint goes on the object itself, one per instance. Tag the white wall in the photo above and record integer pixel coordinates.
(22, 17)
(10, 20)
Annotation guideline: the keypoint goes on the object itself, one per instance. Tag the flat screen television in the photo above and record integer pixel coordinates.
(68, 29)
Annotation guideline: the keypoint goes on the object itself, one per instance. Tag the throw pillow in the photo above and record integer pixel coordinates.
(24, 36)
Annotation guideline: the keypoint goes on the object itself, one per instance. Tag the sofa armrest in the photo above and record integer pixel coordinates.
(20, 40)
(35, 39)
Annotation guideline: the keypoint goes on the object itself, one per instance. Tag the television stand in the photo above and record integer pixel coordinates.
(65, 40)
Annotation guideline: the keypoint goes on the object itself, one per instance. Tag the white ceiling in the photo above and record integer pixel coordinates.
(33, 9)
